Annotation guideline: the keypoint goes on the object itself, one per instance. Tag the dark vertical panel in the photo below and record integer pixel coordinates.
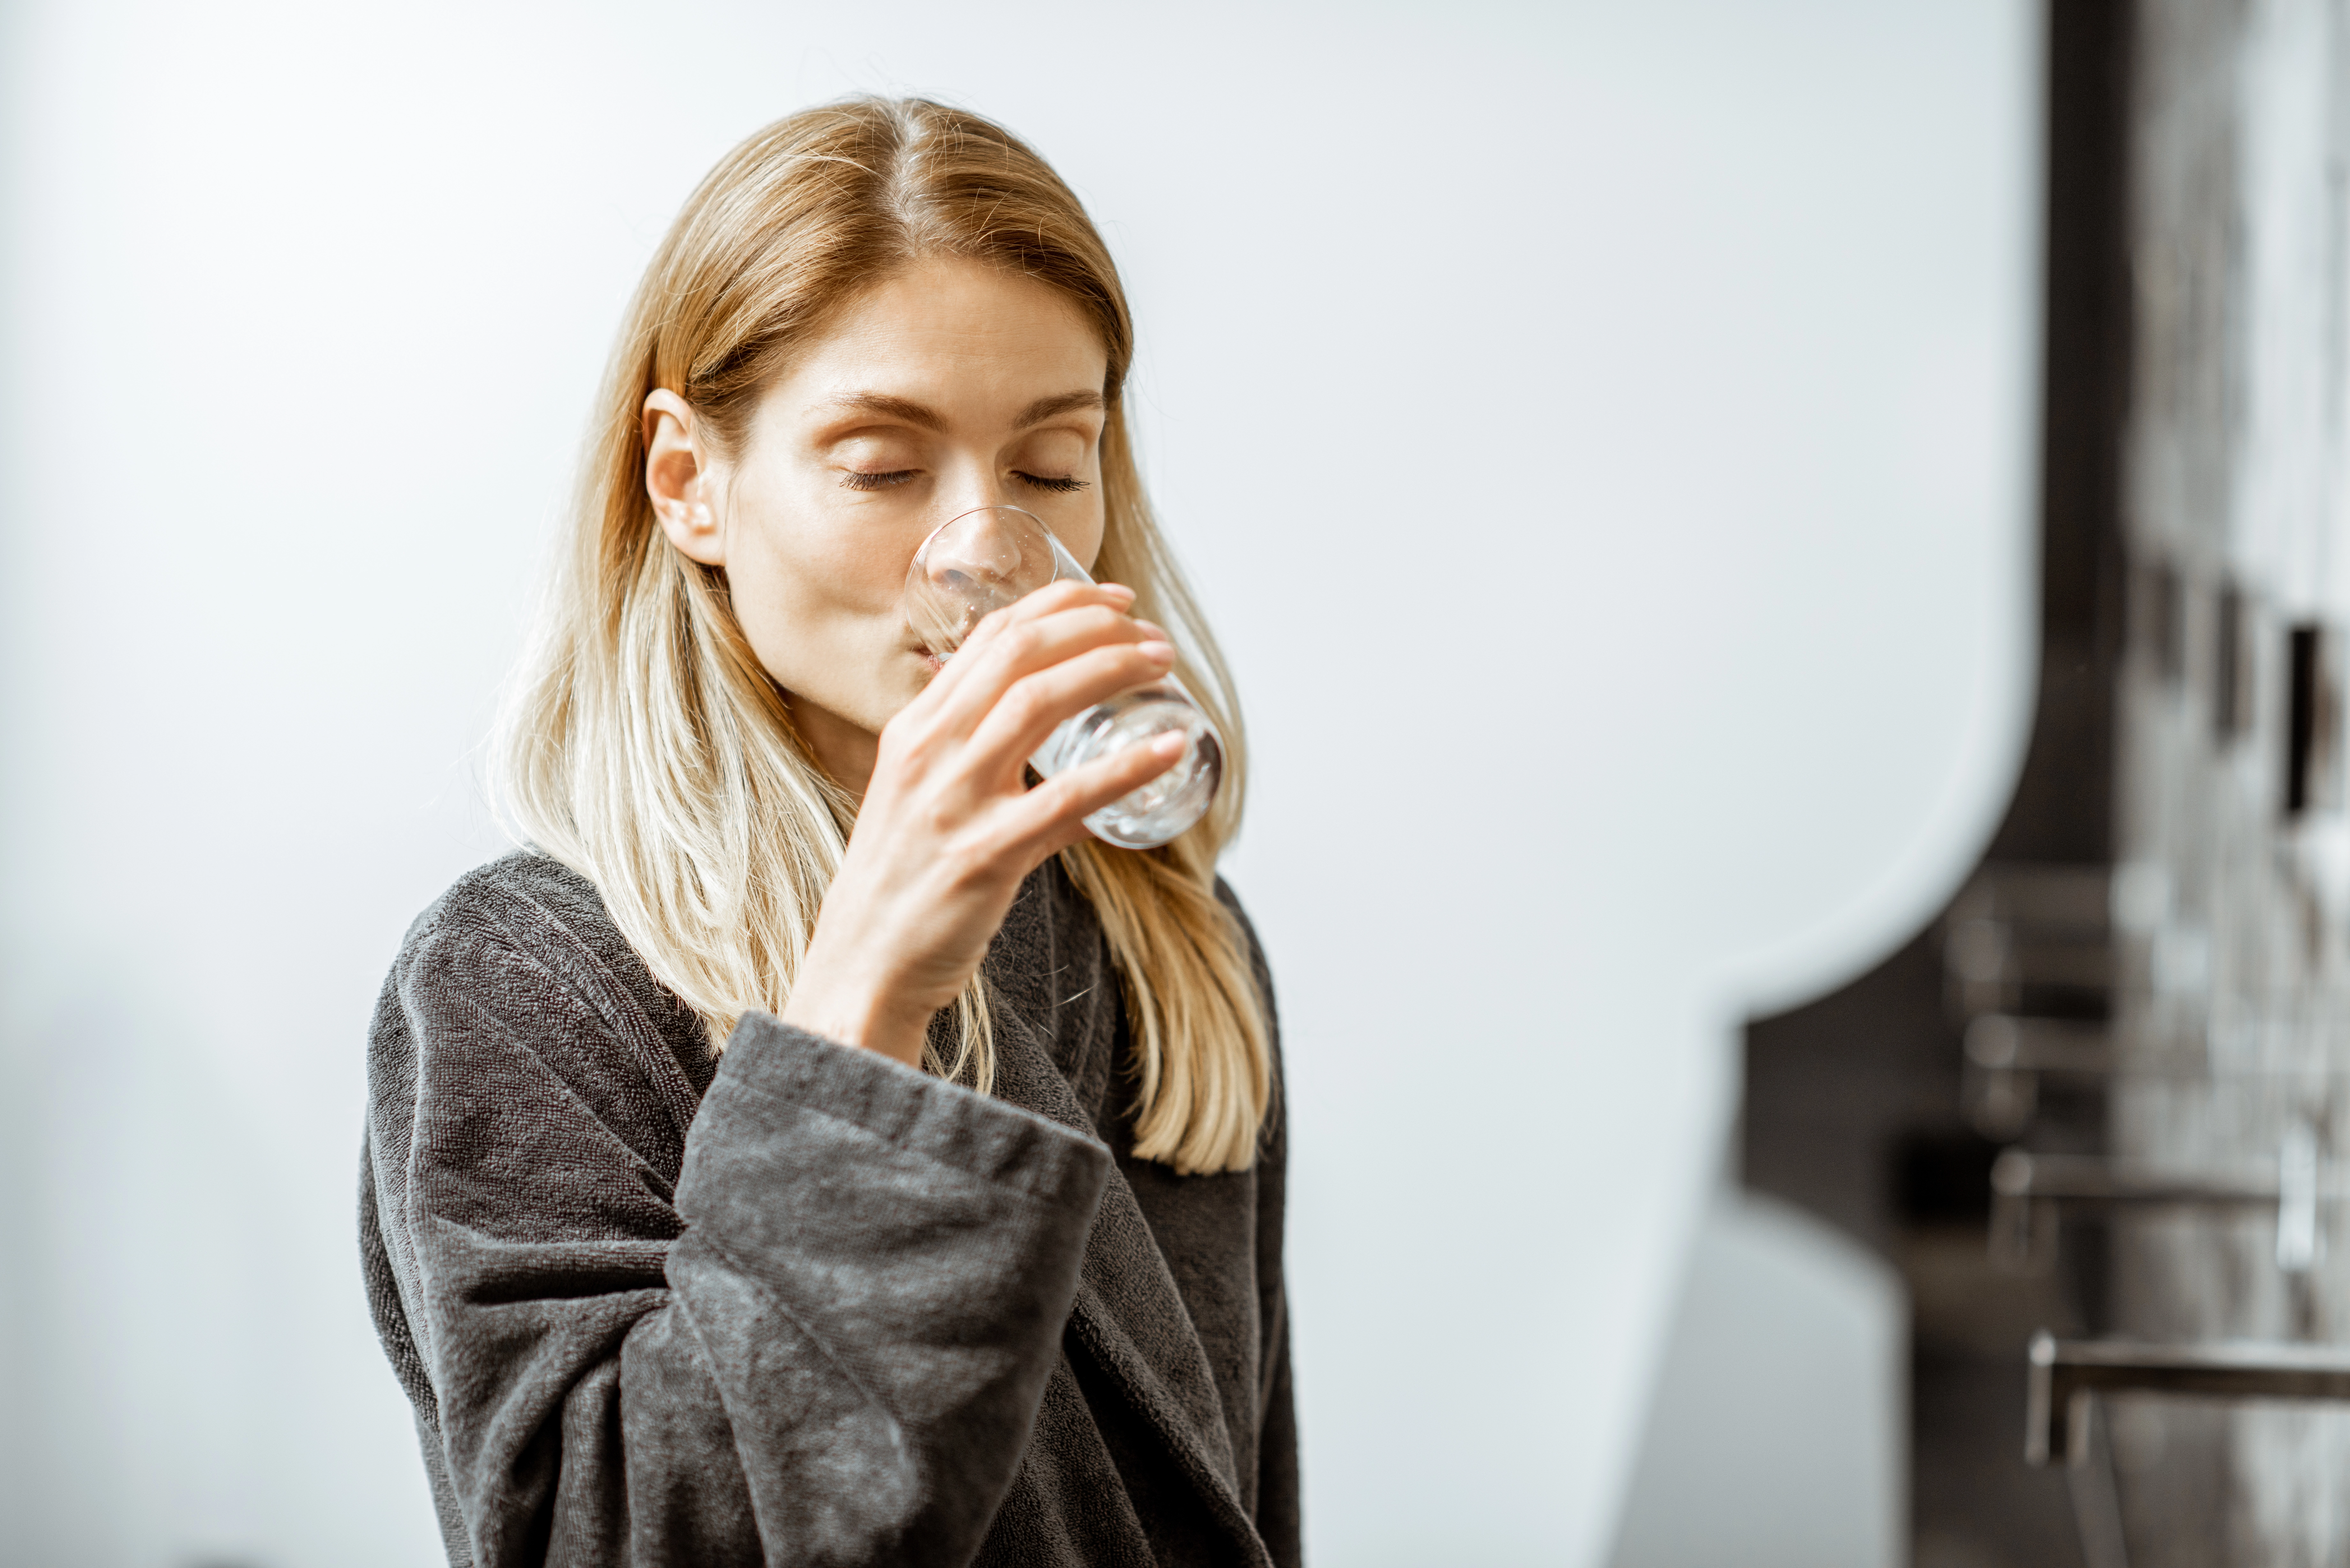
(2301, 720)
(2159, 617)
(2230, 670)
(2063, 805)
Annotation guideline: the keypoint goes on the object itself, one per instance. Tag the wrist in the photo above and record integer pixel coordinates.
(859, 1015)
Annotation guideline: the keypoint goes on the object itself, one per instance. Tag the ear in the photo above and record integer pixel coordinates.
(682, 480)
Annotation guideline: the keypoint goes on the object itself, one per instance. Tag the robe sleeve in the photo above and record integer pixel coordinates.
(825, 1346)
(1277, 1523)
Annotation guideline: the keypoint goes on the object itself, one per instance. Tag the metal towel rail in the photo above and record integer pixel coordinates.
(2066, 1372)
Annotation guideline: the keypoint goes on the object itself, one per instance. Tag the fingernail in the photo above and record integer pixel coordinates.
(1118, 588)
(1157, 633)
(1163, 652)
(1169, 744)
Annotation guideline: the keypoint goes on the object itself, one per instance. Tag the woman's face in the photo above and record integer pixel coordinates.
(948, 386)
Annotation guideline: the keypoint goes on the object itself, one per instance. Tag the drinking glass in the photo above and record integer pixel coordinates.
(994, 556)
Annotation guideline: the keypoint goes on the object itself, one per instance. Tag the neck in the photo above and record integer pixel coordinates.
(842, 749)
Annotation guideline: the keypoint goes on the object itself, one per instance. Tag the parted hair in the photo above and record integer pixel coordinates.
(643, 744)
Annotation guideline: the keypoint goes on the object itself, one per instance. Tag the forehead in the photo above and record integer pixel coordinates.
(975, 342)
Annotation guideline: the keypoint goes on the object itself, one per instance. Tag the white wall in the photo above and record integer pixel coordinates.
(1600, 433)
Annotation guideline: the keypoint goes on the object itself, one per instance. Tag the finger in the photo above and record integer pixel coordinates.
(1034, 706)
(1052, 815)
(954, 670)
(1049, 601)
(1022, 650)
(1012, 621)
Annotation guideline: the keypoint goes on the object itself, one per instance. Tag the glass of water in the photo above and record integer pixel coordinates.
(985, 559)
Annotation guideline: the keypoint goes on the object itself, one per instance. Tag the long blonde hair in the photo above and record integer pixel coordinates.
(645, 747)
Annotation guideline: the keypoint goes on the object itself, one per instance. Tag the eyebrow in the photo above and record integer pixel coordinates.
(1043, 409)
(915, 414)
(887, 407)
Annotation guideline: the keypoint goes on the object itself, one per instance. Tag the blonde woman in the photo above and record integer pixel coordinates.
(815, 1147)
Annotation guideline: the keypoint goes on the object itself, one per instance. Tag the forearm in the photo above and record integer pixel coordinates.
(793, 1304)
(837, 1361)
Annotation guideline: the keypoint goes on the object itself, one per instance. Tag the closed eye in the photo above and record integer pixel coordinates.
(1063, 486)
(853, 480)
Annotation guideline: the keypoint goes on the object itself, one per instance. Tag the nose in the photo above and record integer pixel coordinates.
(992, 549)
(976, 563)
(967, 484)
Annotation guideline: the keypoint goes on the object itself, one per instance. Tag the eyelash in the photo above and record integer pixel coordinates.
(855, 481)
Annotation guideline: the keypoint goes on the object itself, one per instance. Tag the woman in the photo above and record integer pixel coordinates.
(816, 1148)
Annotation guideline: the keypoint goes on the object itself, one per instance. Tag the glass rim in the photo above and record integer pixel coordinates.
(931, 537)
(1065, 566)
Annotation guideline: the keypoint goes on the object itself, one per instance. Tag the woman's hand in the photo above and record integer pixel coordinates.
(949, 828)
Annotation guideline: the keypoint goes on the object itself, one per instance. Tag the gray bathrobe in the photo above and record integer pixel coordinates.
(800, 1305)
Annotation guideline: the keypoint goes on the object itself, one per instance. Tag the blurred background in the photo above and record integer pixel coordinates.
(1658, 471)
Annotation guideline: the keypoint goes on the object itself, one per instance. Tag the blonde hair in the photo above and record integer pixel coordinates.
(645, 747)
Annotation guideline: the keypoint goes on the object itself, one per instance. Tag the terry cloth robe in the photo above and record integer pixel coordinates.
(798, 1303)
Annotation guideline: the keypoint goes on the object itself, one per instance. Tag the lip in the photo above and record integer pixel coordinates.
(917, 646)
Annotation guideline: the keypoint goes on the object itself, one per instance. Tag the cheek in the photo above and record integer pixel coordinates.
(843, 572)
(1082, 537)
(816, 595)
